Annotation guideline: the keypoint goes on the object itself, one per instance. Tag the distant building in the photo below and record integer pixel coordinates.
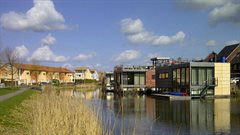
(94, 74)
(109, 81)
(82, 73)
(85, 73)
(150, 79)
(28, 74)
(212, 57)
(160, 61)
(230, 54)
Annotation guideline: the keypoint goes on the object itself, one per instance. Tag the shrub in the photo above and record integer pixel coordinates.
(55, 82)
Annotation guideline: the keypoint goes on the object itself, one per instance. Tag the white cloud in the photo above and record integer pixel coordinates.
(226, 13)
(21, 51)
(211, 43)
(165, 40)
(98, 65)
(126, 56)
(136, 34)
(220, 11)
(45, 54)
(200, 4)
(41, 17)
(84, 57)
(48, 40)
(67, 65)
(132, 26)
(232, 42)
(153, 55)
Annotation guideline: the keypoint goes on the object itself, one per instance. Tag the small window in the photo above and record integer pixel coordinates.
(153, 77)
(44, 73)
(27, 73)
(163, 75)
(166, 75)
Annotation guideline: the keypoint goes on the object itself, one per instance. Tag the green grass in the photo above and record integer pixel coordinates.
(4, 91)
(8, 105)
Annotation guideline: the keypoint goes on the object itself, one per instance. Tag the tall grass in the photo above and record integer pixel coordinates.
(51, 113)
(48, 113)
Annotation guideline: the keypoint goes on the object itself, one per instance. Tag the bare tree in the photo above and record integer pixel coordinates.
(35, 70)
(9, 60)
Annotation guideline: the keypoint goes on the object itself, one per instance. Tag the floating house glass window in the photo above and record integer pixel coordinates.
(201, 76)
(210, 75)
(174, 76)
(142, 79)
(125, 79)
(178, 76)
(139, 78)
(166, 75)
(128, 78)
(163, 75)
(187, 76)
(136, 79)
(183, 74)
(194, 76)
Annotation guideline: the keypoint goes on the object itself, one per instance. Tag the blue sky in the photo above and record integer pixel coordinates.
(105, 33)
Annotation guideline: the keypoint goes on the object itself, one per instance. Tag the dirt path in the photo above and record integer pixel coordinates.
(7, 96)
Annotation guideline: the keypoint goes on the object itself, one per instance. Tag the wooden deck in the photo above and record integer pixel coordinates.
(171, 97)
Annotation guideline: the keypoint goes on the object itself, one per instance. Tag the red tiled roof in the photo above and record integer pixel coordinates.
(82, 68)
(43, 68)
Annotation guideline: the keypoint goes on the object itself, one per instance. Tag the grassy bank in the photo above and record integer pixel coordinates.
(49, 113)
(4, 91)
(79, 87)
(7, 108)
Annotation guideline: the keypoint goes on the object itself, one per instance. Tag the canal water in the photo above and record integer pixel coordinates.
(149, 115)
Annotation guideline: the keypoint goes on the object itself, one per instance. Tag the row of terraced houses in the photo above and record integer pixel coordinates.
(28, 74)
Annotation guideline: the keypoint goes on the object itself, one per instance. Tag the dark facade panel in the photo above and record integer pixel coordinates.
(164, 82)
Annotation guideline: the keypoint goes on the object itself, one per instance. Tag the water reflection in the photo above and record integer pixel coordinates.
(147, 115)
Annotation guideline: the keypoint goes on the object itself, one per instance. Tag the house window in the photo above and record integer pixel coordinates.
(235, 67)
(44, 73)
(153, 77)
(27, 73)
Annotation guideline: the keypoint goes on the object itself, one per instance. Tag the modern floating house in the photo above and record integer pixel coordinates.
(130, 78)
(196, 79)
(109, 81)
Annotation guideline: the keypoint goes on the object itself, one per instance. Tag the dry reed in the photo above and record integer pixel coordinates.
(49, 114)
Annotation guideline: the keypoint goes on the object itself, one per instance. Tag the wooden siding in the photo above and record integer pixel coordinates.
(222, 73)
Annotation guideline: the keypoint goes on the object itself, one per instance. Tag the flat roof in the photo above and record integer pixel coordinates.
(160, 58)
